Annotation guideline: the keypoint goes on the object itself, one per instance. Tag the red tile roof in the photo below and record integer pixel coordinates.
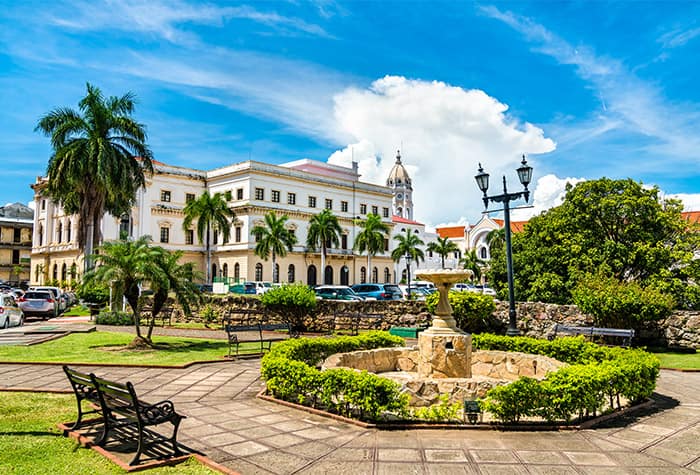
(692, 216)
(450, 232)
(402, 220)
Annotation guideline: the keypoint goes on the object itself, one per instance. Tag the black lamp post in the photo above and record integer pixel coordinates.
(407, 256)
(482, 179)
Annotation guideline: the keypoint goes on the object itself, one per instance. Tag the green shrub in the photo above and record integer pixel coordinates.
(291, 373)
(621, 304)
(443, 411)
(291, 302)
(208, 315)
(596, 375)
(114, 318)
(90, 292)
(470, 310)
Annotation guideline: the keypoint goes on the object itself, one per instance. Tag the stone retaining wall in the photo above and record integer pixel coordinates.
(536, 319)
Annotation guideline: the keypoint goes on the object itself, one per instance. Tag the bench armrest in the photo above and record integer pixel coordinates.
(162, 411)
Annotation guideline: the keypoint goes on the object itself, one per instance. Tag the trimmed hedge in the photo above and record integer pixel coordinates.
(292, 374)
(596, 375)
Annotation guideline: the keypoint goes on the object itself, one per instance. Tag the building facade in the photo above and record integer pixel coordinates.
(16, 222)
(298, 189)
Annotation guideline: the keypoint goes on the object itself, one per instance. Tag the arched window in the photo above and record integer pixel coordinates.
(328, 276)
(224, 269)
(375, 275)
(68, 231)
(55, 272)
(290, 274)
(363, 275)
(344, 275)
(214, 275)
(64, 272)
(258, 271)
(484, 253)
(38, 273)
(276, 277)
(387, 275)
(311, 275)
(124, 226)
(399, 211)
(59, 234)
(237, 271)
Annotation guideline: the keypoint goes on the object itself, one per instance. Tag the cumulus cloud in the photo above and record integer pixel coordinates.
(550, 191)
(691, 201)
(443, 132)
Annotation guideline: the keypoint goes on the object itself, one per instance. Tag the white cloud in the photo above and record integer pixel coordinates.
(443, 132)
(691, 201)
(549, 192)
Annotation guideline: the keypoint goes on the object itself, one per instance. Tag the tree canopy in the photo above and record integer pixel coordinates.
(371, 237)
(324, 231)
(274, 238)
(442, 247)
(611, 228)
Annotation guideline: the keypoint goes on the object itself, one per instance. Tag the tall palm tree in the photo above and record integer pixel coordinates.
(442, 247)
(273, 238)
(127, 265)
(324, 231)
(173, 278)
(371, 237)
(471, 261)
(408, 245)
(99, 161)
(211, 212)
(496, 238)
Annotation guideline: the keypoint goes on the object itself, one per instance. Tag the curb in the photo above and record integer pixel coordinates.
(114, 365)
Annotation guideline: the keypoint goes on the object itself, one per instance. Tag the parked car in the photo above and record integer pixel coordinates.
(244, 288)
(378, 291)
(336, 292)
(484, 289)
(461, 287)
(417, 293)
(423, 284)
(39, 303)
(262, 287)
(57, 295)
(10, 313)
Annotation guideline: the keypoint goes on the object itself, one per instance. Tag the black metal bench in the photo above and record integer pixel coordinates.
(120, 406)
(255, 325)
(625, 334)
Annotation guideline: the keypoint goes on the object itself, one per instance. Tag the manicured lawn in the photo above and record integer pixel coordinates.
(30, 442)
(107, 347)
(678, 360)
(77, 311)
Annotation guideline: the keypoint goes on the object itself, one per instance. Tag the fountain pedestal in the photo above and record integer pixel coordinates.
(444, 350)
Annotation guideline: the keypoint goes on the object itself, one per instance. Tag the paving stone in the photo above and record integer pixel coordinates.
(278, 462)
(501, 469)
(224, 438)
(445, 455)
(590, 458)
(492, 456)
(246, 468)
(450, 469)
(310, 450)
(316, 433)
(350, 454)
(398, 455)
(325, 467)
(544, 457)
(282, 440)
(387, 468)
(636, 459)
(243, 449)
(551, 469)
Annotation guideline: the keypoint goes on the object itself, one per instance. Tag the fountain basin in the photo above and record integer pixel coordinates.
(488, 369)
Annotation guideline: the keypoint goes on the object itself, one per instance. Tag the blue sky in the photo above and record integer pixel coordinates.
(585, 89)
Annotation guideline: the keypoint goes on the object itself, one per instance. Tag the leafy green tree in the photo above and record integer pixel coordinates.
(442, 247)
(173, 278)
(273, 238)
(292, 302)
(471, 261)
(211, 213)
(99, 161)
(371, 237)
(408, 244)
(613, 228)
(127, 265)
(324, 231)
(496, 238)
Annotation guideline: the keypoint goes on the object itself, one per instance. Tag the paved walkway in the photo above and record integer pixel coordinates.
(251, 436)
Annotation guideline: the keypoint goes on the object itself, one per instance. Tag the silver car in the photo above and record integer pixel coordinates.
(39, 303)
(10, 314)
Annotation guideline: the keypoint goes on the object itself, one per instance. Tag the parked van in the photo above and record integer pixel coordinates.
(57, 295)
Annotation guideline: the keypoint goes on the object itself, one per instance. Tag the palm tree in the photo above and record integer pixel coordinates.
(99, 161)
(211, 212)
(471, 261)
(173, 277)
(126, 265)
(496, 238)
(273, 238)
(408, 246)
(371, 237)
(443, 246)
(324, 231)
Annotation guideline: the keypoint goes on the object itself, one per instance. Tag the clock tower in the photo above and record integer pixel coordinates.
(400, 184)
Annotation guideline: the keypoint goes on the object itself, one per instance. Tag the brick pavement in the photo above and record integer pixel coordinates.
(251, 436)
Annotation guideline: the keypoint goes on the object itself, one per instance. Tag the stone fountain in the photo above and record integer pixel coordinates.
(443, 362)
(445, 350)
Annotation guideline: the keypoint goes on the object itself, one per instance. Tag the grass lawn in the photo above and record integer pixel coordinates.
(30, 442)
(107, 347)
(77, 311)
(677, 360)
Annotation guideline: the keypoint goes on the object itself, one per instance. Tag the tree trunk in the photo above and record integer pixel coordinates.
(89, 244)
(369, 267)
(208, 260)
(323, 264)
(274, 261)
(442, 256)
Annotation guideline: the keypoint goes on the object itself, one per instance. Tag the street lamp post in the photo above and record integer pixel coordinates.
(407, 256)
(482, 180)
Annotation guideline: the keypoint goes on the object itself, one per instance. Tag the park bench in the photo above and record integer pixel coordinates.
(253, 326)
(351, 321)
(165, 315)
(625, 335)
(120, 407)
